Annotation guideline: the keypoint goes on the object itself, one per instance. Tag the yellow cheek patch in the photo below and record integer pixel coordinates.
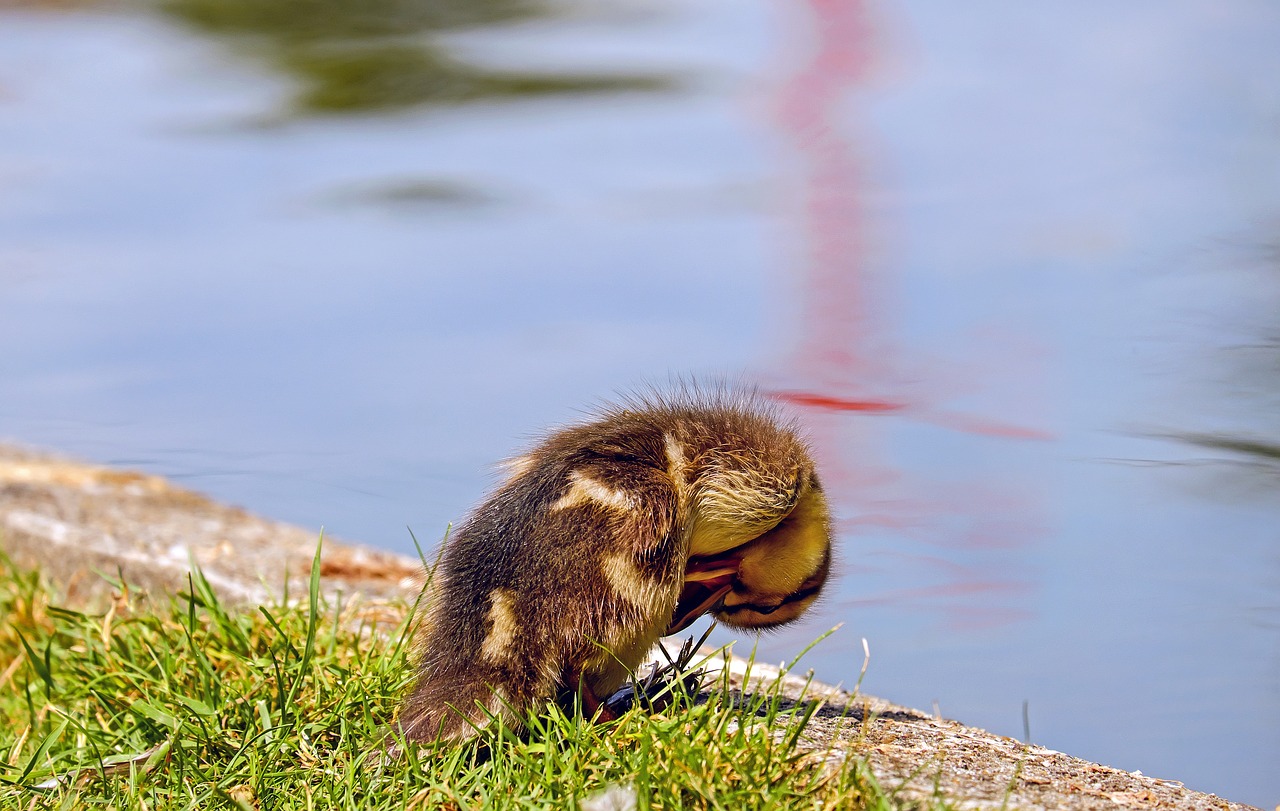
(780, 561)
(585, 490)
(497, 645)
(709, 537)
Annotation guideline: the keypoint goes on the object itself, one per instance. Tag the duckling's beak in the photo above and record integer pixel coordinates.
(706, 582)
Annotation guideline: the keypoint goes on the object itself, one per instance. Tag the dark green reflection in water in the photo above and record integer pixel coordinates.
(423, 193)
(371, 55)
(1259, 449)
(1253, 371)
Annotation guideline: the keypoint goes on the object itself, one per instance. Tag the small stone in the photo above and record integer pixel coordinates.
(611, 798)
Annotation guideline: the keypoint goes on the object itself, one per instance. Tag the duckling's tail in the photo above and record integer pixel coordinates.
(453, 712)
(453, 701)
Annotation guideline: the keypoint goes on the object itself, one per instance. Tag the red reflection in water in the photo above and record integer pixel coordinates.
(972, 424)
(836, 403)
(849, 368)
(967, 423)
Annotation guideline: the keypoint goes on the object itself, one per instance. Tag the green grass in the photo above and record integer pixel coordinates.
(185, 703)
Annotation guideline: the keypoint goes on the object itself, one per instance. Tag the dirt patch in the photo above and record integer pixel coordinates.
(78, 521)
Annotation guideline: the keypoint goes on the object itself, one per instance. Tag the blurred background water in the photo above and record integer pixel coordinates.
(1017, 267)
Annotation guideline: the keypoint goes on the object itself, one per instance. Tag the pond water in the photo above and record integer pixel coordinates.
(1017, 268)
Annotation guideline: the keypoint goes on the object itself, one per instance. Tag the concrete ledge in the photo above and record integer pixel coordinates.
(77, 521)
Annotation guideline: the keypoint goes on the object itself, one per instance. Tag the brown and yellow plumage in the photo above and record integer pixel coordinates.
(608, 536)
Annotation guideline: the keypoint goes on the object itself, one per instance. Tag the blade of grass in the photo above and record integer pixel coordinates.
(313, 617)
(38, 756)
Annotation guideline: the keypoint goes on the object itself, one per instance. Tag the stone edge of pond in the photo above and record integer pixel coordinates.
(78, 522)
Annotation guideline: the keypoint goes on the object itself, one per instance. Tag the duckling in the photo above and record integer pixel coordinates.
(604, 538)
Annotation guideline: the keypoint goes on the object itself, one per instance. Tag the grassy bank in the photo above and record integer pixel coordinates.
(182, 702)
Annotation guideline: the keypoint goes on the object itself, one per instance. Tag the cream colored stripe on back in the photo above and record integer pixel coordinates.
(586, 490)
(502, 621)
(676, 463)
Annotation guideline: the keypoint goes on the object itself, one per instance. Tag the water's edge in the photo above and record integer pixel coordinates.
(75, 521)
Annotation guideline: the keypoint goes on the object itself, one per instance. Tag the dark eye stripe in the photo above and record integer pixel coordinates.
(802, 594)
(794, 596)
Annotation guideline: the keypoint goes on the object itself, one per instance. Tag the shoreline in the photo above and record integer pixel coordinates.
(77, 521)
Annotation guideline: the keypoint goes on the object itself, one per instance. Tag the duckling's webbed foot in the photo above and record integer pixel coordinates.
(592, 705)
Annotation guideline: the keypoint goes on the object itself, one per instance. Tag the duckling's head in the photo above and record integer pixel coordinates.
(759, 527)
(781, 573)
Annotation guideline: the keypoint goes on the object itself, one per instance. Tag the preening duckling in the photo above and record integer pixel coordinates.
(608, 536)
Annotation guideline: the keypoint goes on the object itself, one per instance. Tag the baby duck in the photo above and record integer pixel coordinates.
(606, 537)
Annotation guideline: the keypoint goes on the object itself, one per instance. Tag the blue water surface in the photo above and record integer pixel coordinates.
(1017, 268)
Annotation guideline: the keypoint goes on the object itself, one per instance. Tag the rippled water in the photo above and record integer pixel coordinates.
(1018, 269)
